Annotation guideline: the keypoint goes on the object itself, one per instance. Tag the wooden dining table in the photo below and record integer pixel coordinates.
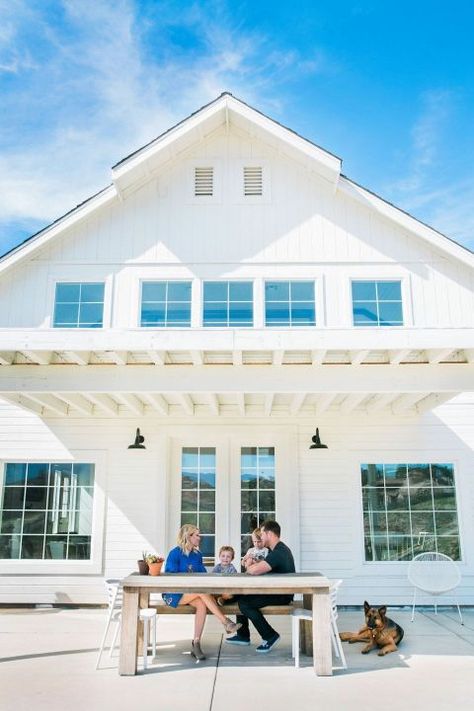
(137, 590)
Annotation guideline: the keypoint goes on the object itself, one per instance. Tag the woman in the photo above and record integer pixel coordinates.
(186, 558)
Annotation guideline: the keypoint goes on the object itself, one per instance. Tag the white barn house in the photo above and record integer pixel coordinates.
(228, 293)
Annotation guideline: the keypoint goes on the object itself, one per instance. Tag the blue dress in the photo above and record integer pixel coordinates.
(179, 562)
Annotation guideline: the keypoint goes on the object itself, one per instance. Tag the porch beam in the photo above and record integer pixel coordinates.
(79, 402)
(104, 402)
(24, 402)
(381, 402)
(132, 402)
(157, 402)
(237, 357)
(297, 403)
(40, 358)
(78, 358)
(359, 356)
(278, 357)
(119, 357)
(186, 402)
(197, 357)
(351, 402)
(396, 357)
(434, 400)
(268, 404)
(417, 377)
(324, 402)
(241, 403)
(405, 402)
(157, 357)
(7, 358)
(49, 401)
(469, 353)
(317, 356)
(438, 355)
(213, 402)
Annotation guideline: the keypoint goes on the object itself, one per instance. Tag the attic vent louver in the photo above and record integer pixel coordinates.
(253, 180)
(203, 182)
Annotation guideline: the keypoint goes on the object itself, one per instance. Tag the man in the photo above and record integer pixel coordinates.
(278, 560)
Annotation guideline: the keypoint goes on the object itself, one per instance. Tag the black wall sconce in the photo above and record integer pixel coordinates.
(139, 439)
(317, 444)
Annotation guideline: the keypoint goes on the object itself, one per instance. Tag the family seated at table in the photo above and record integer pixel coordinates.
(268, 555)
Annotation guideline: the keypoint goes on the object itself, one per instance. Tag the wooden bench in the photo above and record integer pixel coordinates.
(231, 609)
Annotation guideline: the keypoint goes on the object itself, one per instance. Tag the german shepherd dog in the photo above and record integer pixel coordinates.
(378, 631)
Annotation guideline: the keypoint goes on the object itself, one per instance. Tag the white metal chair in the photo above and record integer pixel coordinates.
(299, 615)
(435, 574)
(147, 615)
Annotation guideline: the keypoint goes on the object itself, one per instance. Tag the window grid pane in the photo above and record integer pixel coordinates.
(405, 512)
(166, 304)
(289, 303)
(79, 305)
(198, 493)
(50, 515)
(377, 303)
(257, 490)
(228, 304)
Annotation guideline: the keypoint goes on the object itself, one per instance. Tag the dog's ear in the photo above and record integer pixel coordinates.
(366, 606)
(383, 611)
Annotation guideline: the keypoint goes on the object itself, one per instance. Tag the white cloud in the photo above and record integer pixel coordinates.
(91, 90)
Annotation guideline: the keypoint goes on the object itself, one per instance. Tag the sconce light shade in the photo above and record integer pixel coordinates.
(139, 439)
(317, 444)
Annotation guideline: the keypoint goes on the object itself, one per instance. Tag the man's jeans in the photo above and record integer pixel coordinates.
(250, 607)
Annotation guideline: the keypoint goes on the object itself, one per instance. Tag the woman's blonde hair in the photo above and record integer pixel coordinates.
(184, 534)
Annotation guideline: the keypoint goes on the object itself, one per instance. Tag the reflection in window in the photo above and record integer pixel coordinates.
(79, 305)
(228, 303)
(166, 304)
(257, 490)
(47, 511)
(289, 303)
(377, 303)
(409, 509)
(198, 494)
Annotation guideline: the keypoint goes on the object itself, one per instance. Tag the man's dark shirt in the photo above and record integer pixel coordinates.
(280, 559)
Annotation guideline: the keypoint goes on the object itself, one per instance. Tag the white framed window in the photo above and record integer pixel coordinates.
(79, 304)
(409, 508)
(165, 304)
(377, 302)
(257, 491)
(290, 303)
(198, 494)
(227, 304)
(51, 515)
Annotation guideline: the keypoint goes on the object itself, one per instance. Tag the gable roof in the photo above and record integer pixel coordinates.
(137, 168)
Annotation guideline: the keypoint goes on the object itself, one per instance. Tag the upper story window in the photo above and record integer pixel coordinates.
(46, 511)
(79, 305)
(166, 304)
(377, 303)
(289, 303)
(253, 181)
(203, 181)
(228, 303)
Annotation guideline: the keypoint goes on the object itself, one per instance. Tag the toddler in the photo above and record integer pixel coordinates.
(257, 552)
(226, 556)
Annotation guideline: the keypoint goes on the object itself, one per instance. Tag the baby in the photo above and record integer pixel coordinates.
(257, 552)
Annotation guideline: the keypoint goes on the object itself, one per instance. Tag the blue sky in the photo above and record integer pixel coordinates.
(386, 86)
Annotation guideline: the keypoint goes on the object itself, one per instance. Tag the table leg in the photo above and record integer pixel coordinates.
(143, 603)
(306, 631)
(129, 633)
(322, 654)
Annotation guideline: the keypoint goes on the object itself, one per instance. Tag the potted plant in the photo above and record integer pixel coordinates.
(142, 564)
(155, 563)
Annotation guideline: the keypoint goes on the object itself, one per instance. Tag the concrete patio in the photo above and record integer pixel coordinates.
(48, 660)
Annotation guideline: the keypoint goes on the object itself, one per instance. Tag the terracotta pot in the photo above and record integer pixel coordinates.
(155, 568)
(142, 567)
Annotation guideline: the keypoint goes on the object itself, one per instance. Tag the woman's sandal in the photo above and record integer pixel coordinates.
(196, 651)
(230, 626)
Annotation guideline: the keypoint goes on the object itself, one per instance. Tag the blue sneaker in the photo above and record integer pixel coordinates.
(238, 640)
(268, 645)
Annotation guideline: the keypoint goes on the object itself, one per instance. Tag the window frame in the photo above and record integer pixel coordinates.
(460, 464)
(80, 279)
(317, 319)
(182, 280)
(370, 278)
(227, 281)
(60, 566)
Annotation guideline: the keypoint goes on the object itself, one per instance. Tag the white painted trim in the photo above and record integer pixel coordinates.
(72, 567)
(217, 182)
(236, 181)
(405, 284)
(108, 281)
